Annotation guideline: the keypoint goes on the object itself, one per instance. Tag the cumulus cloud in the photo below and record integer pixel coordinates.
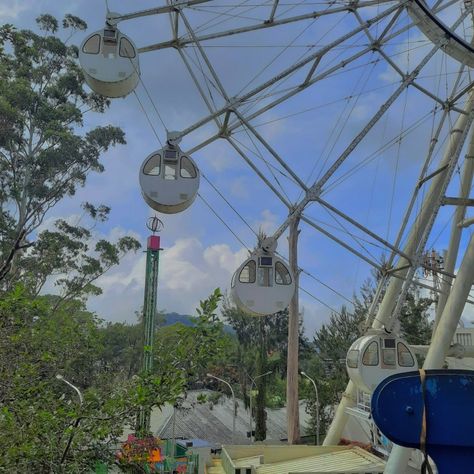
(10, 9)
(189, 272)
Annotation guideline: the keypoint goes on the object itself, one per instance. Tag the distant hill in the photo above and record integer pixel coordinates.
(172, 318)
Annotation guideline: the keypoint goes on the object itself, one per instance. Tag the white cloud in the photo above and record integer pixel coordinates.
(189, 272)
(268, 222)
(11, 9)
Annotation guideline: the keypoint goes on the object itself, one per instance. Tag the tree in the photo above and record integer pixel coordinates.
(39, 414)
(192, 349)
(263, 344)
(43, 157)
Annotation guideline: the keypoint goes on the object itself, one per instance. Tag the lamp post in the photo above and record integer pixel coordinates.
(233, 403)
(78, 419)
(304, 374)
(251, 386)
(81, 398)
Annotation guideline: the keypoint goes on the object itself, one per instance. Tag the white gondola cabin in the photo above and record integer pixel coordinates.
(169, 180)
(263, 284)
(372, 358)
(436, 31)
(109, 60)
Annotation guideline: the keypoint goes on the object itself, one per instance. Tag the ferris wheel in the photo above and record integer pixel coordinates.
(333, 41)
(337, 107)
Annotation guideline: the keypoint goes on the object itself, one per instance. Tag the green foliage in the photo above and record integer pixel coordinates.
(415, 326)
(40, 415)
(122, 350)
(46, 154)
(43, 158)
(262, 347)
(38, 410)
(192, 350)
(70, 252)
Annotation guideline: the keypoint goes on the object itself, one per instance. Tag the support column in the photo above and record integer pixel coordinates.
(149, 312)
(292, 377)
(456, 230)
(430, 205)
(441, 341)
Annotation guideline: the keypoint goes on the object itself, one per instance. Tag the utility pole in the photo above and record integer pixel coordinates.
(292, 398)
(149, 312)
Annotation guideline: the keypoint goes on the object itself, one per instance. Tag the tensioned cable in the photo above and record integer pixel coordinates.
(397, 164)
(339, 70)
(393, 55)
(229, 204)
(223, 222)
(277, 170)
(217, 19)
(341, 124)
(149, 98)
(347, 232)
(327, 286)
(317, 107)
(295, 5)
(248, 225)
(287, 78)
(148, 118)
(376, 153)
(345, 98)
(346, 68)
(279, 83)
(294, 46)
(284, 258)
(229, 15)
(153, 103)
(276, 57)
(207, 79)
(320, 301)
(354, 238)
(265, 161)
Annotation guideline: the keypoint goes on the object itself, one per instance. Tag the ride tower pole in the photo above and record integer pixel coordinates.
(149, 312)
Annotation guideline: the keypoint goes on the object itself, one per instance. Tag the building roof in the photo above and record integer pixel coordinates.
(214, 423)
(297, 459)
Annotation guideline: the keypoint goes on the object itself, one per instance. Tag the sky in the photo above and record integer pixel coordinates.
(309, 131)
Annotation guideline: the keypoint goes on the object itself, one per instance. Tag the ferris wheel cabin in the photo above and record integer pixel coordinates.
(263, 284)
(169, 180)
(109, 60)
(372, 358)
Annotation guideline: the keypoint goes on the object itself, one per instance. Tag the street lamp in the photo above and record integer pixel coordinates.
(81, 399)
(304, 374)
(233, 403)
(78, 419)
(251, 386)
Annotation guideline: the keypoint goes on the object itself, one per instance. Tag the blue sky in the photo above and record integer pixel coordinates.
(308, 131)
